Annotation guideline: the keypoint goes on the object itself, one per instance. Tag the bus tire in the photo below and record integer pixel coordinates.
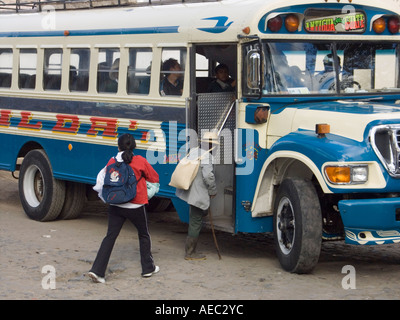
(158, 204)
(297, 226)
(42, 196)
(75, 199)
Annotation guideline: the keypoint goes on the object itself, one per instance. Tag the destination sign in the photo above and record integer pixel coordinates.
(332, 21)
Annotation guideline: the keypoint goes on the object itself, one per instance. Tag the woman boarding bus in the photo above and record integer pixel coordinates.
(309, 146)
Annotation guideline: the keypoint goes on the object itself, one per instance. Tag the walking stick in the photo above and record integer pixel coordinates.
(213, 232)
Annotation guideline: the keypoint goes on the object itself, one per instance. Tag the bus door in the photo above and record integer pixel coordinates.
(211, 110)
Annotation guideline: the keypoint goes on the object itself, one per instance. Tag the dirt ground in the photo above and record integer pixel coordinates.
(248, 269)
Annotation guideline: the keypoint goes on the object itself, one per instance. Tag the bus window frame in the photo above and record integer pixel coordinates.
(70, 53)
(47, 53)
(11, 68)
(136, 70)
(113, 49)
(36, 68)
(183, 55)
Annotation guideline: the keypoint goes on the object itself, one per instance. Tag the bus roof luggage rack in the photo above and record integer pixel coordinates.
(37, 6)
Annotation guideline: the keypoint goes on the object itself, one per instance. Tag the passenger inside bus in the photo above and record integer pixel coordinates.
(207, 58)
(171, 84)
(223, 82)
(112, 85)
(138, 83)
(108, 77)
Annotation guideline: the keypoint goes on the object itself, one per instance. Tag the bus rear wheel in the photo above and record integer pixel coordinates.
(42, 196)
(297, 226)
(75, 199)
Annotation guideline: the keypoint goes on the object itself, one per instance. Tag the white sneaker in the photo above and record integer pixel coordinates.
(147, 275)
(95, 278)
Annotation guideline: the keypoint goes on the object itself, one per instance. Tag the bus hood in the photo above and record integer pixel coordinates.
(346, 118)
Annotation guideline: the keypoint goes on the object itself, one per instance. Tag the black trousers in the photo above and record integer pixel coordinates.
(116, 219)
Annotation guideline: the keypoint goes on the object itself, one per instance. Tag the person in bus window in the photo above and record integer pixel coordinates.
(223, 82)
(171, 84)
(112, 85)
(198, 195)
(108, 77)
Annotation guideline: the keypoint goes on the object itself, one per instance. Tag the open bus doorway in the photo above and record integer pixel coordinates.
(216, 111)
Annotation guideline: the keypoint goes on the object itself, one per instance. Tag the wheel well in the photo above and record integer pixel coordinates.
(292, 168)
(278, 170)
(28, 147)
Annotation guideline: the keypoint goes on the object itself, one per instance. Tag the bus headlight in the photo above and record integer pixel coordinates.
(347, 174)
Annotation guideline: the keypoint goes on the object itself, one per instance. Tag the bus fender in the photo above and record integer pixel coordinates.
(300, 154)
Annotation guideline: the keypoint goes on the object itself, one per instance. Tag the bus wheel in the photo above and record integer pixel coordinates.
(297, 226)
(75, 198)
(158, 204)
(41, 195)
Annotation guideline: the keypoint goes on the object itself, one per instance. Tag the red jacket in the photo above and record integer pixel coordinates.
(141, 168)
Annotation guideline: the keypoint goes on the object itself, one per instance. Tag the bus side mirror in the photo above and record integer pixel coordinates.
(253, 60)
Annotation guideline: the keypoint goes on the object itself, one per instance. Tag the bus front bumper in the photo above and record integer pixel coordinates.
(371, 221)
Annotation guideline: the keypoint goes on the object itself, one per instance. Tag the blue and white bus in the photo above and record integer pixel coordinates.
(310, 135)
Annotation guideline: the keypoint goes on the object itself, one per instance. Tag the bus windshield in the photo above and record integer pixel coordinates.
(330, 68)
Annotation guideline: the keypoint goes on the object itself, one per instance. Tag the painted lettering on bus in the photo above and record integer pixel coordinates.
(71, 124)
(25, 123)
(5, 118)
(67, 124)
(107, 126)
(133, 125)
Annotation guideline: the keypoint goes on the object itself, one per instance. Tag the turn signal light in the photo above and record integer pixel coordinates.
(379, 25)
(292, 23)
(338, 174)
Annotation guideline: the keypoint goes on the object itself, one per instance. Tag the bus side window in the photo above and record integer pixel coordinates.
(6, 62)
(52, 69)
(139, 71)
(108, 70)
(172, 71)
(79, 70)
(27, 68)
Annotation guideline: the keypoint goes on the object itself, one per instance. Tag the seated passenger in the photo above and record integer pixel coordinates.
(171, 84)
(223, 82)
(108, 79)
(112, 85)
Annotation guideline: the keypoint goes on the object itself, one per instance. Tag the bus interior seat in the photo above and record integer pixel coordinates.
(5, 80)
(52, 82)
(27, 81)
